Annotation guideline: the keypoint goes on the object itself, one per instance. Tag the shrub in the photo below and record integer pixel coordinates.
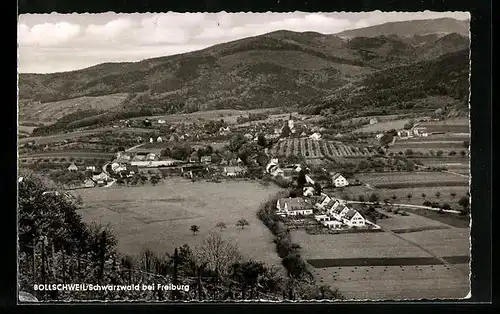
(446, 206)
(427, 203)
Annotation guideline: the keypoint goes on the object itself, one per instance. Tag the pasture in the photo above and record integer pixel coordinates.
(366, 119)
(442, 242)
(159, 217)
(411, 179)
(382, 126)
(412, 221)
(354, 245)
(416, 197)
(78, 134)
(319, 149)
(396, 282)
(460, 126)
(52, 111)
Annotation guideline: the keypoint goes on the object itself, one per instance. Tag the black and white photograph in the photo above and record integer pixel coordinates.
(244, 157)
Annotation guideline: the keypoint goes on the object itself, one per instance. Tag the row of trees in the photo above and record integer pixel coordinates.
(242, 223)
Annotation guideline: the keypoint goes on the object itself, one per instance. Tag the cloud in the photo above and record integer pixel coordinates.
(47, 34)
(109, 31)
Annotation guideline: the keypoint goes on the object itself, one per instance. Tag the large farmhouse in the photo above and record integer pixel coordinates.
(294, 206)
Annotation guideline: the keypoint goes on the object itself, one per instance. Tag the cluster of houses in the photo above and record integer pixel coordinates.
(413, 132)
(332, 213)
(97, 178)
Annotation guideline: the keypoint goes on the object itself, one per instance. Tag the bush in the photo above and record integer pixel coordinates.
(446, 206)
(427, 203)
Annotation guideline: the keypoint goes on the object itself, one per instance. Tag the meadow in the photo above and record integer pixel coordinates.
(406, 179)
(354, 245)
(447, 126)
(159, 217)
(396, 282)
(383, 126)
(442, 242)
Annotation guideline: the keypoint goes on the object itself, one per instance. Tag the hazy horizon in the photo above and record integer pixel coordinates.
(50, 43)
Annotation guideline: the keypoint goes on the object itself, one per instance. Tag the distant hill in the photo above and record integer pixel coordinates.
(404, 88)
(278, 69)
(411, 28)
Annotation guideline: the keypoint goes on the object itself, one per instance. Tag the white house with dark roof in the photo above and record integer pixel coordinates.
(338, 210)
(353, 218)
(294, 206)
(339, 180)
(323, 201)
(72, 167)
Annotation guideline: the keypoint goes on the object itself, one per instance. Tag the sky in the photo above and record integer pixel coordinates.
(49, 43)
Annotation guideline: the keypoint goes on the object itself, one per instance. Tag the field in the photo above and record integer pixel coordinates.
(396, 282)
(416, 194)
(447, 126)
(355, 245)
(53, 111)
(319, 149)
(412, 221)
(159, 217)
(387, 265)
(75, 135)
(412, 179)
(229, 115)
(382, 126)
(458, 165)
(366, 119)
(442, 242)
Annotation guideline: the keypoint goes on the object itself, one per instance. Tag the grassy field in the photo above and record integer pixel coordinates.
(395, 282)
(159, 217)
(435, 145)
(229, 115)
(366, 119)
(354, 245)
(442, 242)
(447, 126)
(52, 111)
(402, 177)
(398, 222)
(416, 194)
(382, 126)
(77, 134)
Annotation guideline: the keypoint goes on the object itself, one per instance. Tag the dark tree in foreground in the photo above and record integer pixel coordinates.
(301, 180)
(438, 194)
(424, 195)
(154, 179)
(194, 229)
(409, 196)
(317, 188)
(261, 140)
(242, 223)
(464, 203)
